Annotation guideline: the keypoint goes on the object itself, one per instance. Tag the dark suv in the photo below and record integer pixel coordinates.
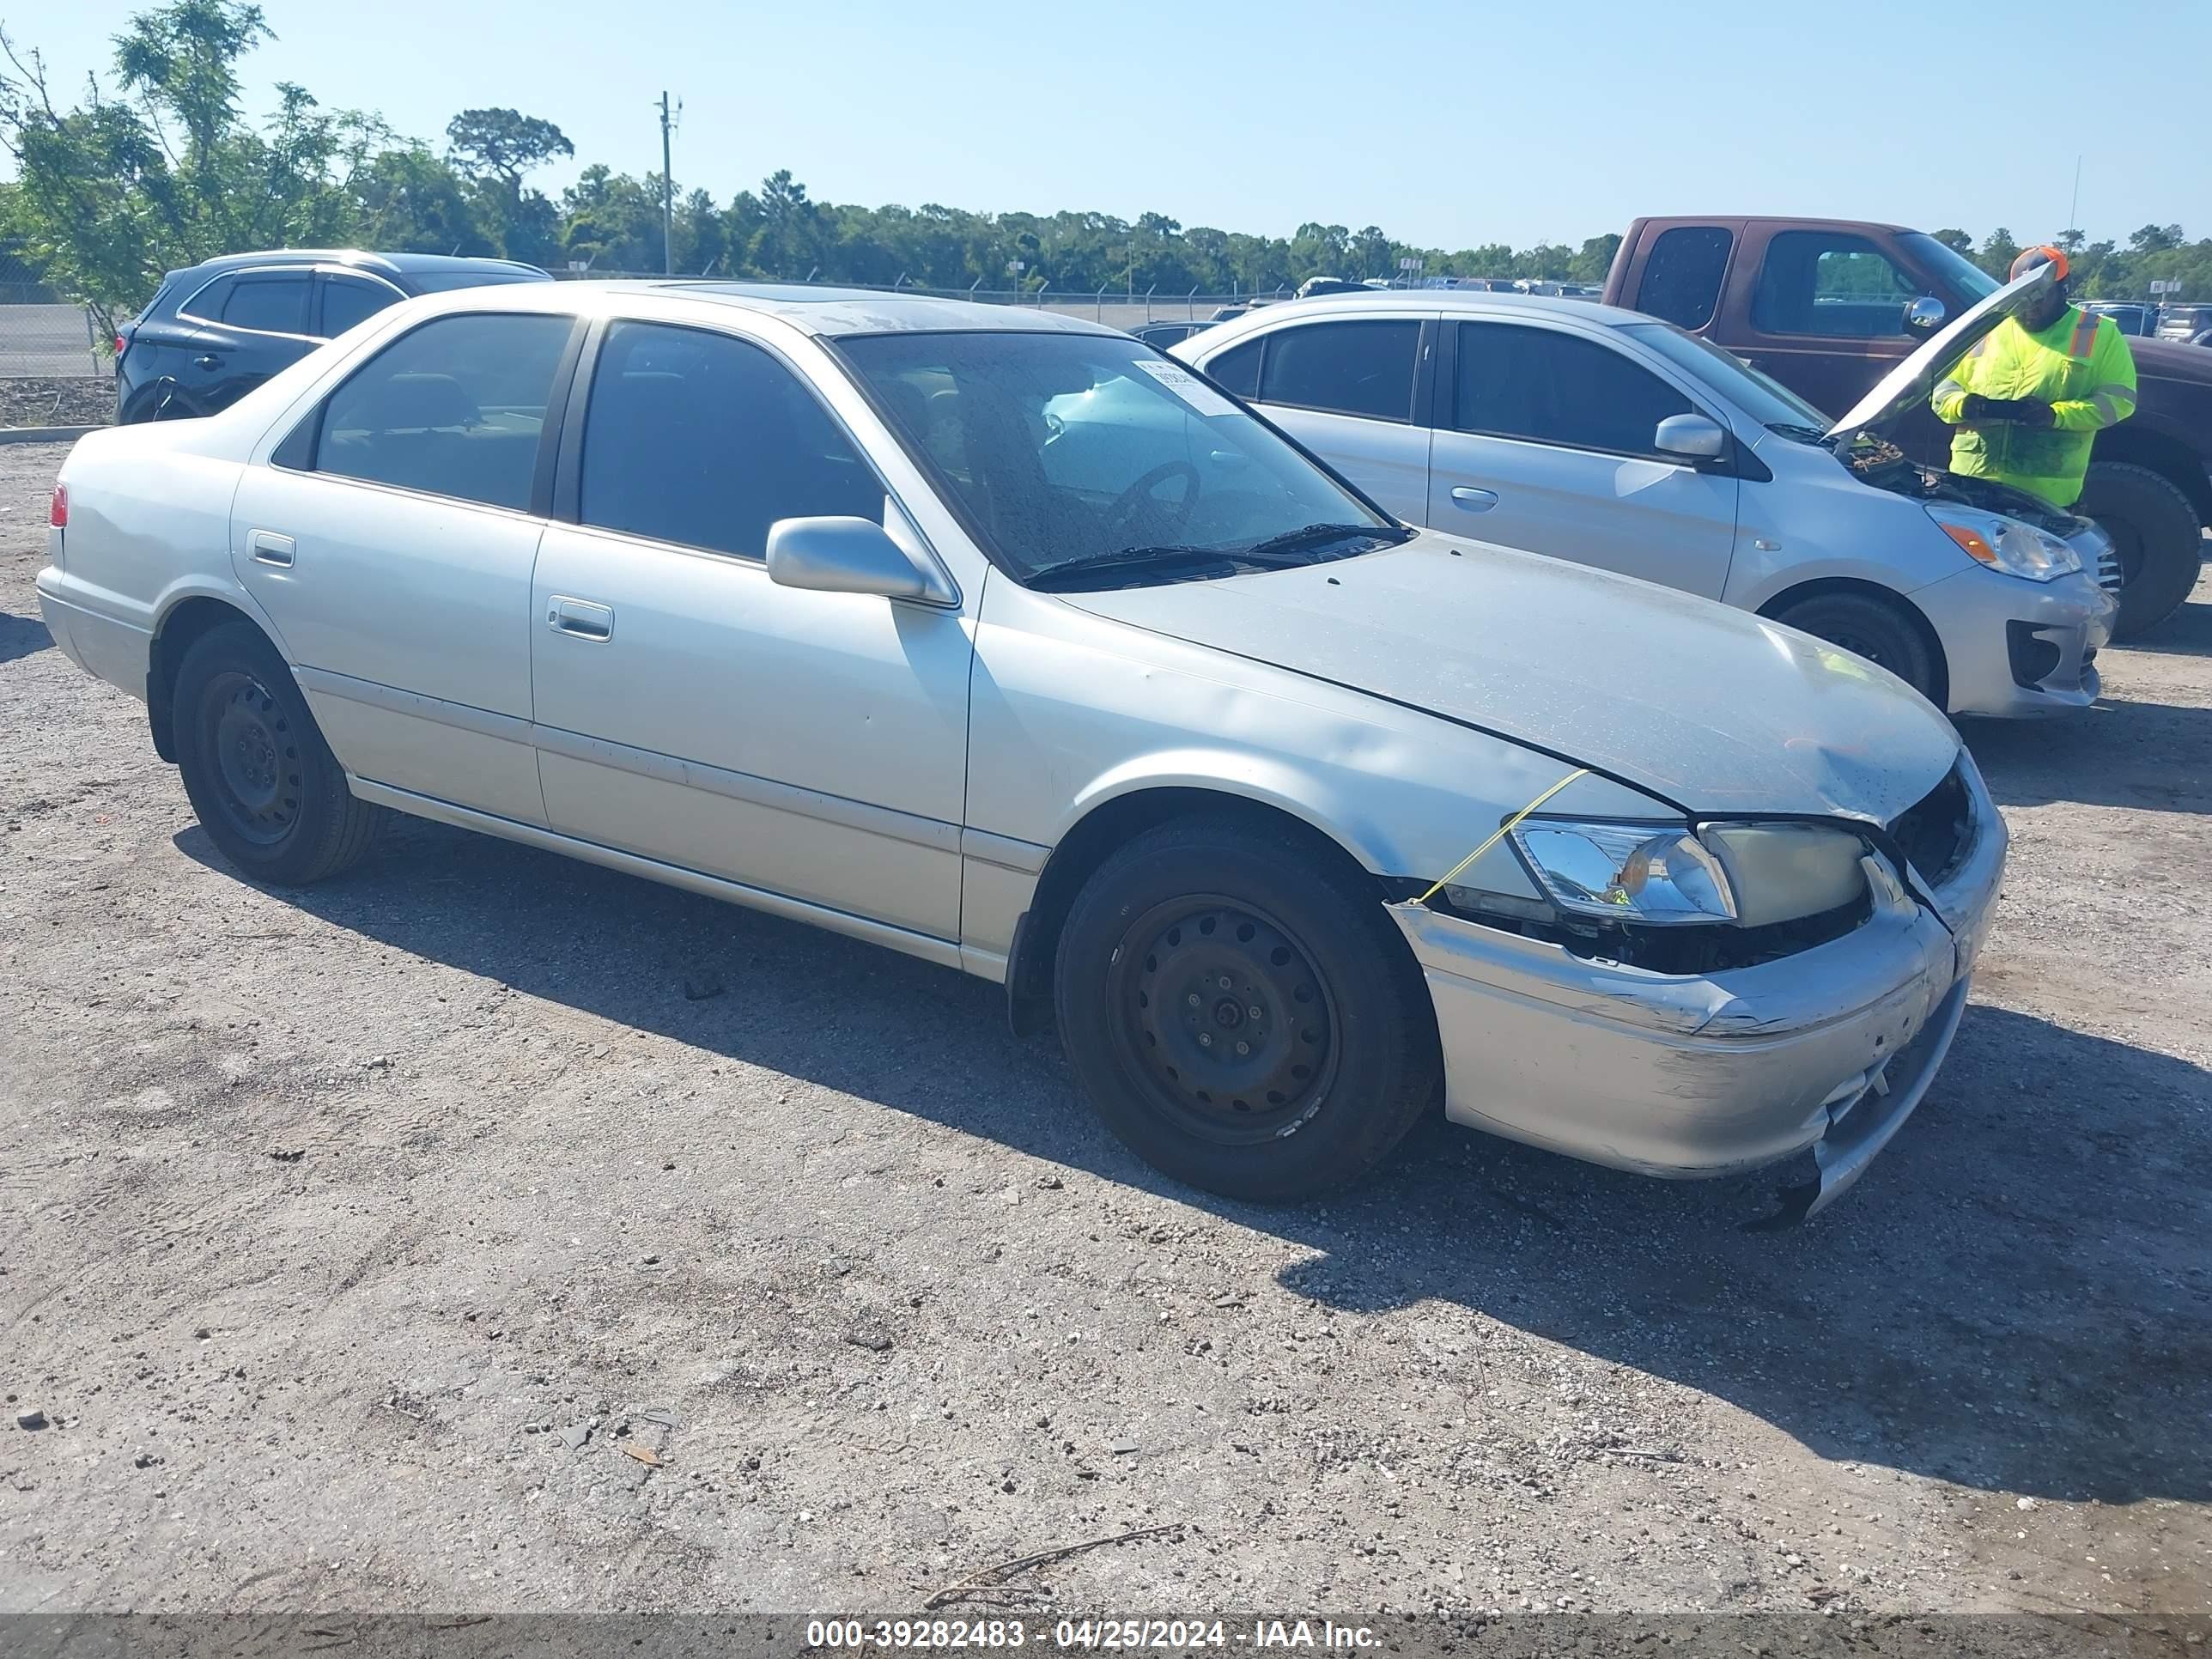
(215, 331)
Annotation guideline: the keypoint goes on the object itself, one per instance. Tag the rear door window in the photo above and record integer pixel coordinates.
(347, 300)
(1682, 275)
(1238, 370)
(453, 408)
(1831, 284)
(1551, 387)
(1363, 368)
(705, 441)
(275, 304)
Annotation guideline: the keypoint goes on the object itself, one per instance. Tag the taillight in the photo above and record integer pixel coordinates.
(58, 514)
(122, 342)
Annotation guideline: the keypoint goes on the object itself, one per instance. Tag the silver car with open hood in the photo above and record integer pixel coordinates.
(1002, 640)
(1616, 440)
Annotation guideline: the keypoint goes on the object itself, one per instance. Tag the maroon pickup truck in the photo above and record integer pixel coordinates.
(1826, 306)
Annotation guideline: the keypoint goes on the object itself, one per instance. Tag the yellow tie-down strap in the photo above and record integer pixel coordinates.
(1503, 830)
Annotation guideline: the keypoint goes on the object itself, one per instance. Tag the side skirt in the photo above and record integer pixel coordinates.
(943, 952)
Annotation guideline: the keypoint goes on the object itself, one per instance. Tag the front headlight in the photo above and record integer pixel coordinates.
(1751, 874)
(2005, 545)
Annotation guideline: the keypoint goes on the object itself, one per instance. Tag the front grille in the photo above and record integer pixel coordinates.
(1936, 831)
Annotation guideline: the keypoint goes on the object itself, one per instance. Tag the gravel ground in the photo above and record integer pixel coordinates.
(331, 1222)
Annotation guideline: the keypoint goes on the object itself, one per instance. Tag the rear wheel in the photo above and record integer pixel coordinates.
(1241, 1014)
(1875, 628)
(2155, 533)
(263, 782)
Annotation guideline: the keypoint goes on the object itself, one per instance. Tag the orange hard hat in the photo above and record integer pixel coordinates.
(2043, 254)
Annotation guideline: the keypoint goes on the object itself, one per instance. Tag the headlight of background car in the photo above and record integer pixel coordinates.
(2005, 545)
(1752, 874)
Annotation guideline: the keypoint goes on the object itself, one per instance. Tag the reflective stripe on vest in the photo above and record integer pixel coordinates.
(2084, 343)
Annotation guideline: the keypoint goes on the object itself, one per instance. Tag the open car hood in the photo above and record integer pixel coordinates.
(1913, 382)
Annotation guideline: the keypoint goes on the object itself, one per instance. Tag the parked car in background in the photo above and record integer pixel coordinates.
(997, 638)
(2138, 322)
(1161, 335)
(215, 330)
(1611, 438)
(1828, 307)
(2183, 323)
(1313, 287)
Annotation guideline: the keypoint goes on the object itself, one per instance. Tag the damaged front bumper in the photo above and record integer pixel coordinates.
(1684, 1075)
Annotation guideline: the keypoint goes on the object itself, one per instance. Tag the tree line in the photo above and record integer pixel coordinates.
(161, 167)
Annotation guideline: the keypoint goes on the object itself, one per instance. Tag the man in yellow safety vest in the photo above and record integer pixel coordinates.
(2031, 397)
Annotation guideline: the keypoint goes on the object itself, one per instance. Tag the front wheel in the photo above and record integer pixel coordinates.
(2156, 533)
(263, 782)
(1241, 1013)
(1873, 628)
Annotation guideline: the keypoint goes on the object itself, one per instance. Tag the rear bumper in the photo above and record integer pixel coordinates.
(2016, 648)
(1830, 1049)
(112, 650)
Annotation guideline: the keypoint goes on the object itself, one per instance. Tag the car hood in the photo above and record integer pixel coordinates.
(1910, 384)
(2172, 360)
(1709, 709)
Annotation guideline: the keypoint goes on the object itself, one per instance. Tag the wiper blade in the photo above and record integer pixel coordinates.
(1169, 556)
(1319, 535)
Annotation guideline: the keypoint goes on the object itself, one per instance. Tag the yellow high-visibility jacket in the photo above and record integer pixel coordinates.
(2080, 365)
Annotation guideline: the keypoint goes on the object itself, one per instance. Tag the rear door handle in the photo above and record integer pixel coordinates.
(207, 360)
(1474, 501)
(581, 617)
(269, 548)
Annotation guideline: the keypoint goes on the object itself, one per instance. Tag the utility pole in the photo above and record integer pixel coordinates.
(2074, 207)
(668, 186)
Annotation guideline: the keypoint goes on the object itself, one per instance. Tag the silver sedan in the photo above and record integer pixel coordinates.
(1004, 641)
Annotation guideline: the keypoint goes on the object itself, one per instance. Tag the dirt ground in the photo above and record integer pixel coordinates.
(330, 1223)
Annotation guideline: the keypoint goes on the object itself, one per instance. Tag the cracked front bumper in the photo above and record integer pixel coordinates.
(1686, 1075)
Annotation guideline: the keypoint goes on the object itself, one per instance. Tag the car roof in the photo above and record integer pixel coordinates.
(399, 263)
(832, 312)
(1430, 302)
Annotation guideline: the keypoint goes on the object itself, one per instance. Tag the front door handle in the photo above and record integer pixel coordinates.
(581, 617)
(269, 548)
(1474, 501)
(208, 360)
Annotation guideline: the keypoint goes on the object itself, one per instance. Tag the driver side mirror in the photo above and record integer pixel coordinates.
(1691, 438)
(850, 555)
(1924, 315)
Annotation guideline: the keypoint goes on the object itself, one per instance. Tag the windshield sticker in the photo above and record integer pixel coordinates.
(1188, 387)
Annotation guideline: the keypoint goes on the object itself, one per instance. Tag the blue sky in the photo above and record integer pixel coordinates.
(1447, 125)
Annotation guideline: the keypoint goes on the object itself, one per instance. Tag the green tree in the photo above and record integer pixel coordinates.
(495, 149)
(112, 193)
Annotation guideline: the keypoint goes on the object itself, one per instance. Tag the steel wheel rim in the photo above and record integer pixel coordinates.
(1859, 647)
(1194, 978)
(257, 774)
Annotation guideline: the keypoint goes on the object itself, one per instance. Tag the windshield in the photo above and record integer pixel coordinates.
(1952, 266)
(1088, 460)
(1766, 400)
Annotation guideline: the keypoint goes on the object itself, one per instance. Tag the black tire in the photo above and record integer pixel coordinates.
(1876, 628)
(1343, 1055)
(2154, 530)
(263, 782)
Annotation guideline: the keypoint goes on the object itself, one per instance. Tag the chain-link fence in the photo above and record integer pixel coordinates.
(41, 339)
